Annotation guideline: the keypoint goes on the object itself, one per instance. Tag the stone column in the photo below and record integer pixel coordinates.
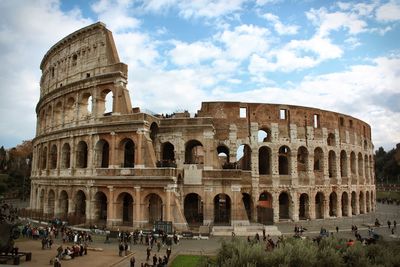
(295, 199)
(168, 204)
(275, 205)
(208, 205)
(138, 213)
(339, 205)
(310, 168)
(110, 206)
(275, 168)
(113, 152)
(293, 168)
(326, 206)
(312, 206)
(357, 206)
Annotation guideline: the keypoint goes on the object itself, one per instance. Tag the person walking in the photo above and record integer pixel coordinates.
(132, 262)
(120, 248)
(148, 250)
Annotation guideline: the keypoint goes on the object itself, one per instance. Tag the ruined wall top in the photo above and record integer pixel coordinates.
(85, 53)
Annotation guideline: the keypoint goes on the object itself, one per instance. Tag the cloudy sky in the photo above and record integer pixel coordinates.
(339, 56)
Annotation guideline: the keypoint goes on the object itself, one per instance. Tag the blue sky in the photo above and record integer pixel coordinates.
(339, 56)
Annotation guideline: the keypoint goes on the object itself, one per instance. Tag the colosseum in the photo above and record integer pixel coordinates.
(99, 160)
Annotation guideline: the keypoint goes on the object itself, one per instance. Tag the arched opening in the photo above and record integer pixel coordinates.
(125, 208)
(304, 208)
(318, 160)
(319, 205)
(332, 164)
(129, 153)
(222, 209)
(343, 164)
(265, 212)
(85, 106)
(345, 204)
(66, 156)
(194, 153)
(81, 155)
(333, 204)
(366, 171)
(102, 150)
(155, 208)
(302, 165)
(264, 135)
(53, 157)
(361, 203)
(368, 204)
(109, 102)
(51, 203)
(243, 157)
(284, 206)
(167, 155)
(69, 113)
(80, 207)
(58, 114)
(365, 144)
(193, 209)
(63, 204)
(43, 157)
(153, 131)
(223, 156)
(331, 139)
(41, 201)
(284, 154)
(353, 203)
(264, 160)
(100, 207)
(49, 113)
(248, 205)
(360, 166)
(105, 103)
(353, 163)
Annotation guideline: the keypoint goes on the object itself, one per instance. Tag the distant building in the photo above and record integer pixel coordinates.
(232, 163)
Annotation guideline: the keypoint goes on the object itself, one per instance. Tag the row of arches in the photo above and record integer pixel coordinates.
(73, 108)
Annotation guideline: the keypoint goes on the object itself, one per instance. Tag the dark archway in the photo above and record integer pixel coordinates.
(345, 204)
(53, 157)
(51, 203)
(100, 207)
(362, 203)
(194, 153)
(332, 164)
(80, 206)
(319, 205)
(223, 156)
(193, 209)
(66, 156)
(153, 131)
(333, 204)
(82, 155)
(168, 153)
(304, 208)
(284, 154)
(284, 205)
(353, 203)
(155, 208)
(243, 157)
(265, 212)
(125, 208)
(343, 164)
(102, 153)
(63, 205)
(264, 160)
(222, 209)
(129, 153)
(248, 205)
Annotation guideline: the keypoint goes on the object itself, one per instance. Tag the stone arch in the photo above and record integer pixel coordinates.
(318, 160)
(361, 202)
(264, 160)
(49, 113)
(63, 205)
(353, 163)
(284, 160)
(371, 170)
(248, 205)
(332, 164)
(345, 204)
(223, 156)
(69, 110)
(128, 153)
(42, 120)
(100, 207)
(222, 209)
(360, 165)
(102, 154)
(243, 157)
(85, 105)
(167, 155)
(58, 113)
(367, 202)
(264, 135)
(105, 103)
(53, 157)
(43, 158)
(193, 209)
(82, 155)
(319, 205)
(333, 204)
(304, 207)
(124, 208)
(366, 171)
(331, 139)
(66, 156)
(302, 165)
(155, 207)
(153, 132)
(80, 206)
(343, 164)
(51, 199)
(353, 203)
(284, 205)
(194, 152)
(265, 211)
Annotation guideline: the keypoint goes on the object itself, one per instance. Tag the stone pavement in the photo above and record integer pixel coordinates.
(109, 255)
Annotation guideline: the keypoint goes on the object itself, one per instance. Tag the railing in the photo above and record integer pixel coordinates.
(265, 179)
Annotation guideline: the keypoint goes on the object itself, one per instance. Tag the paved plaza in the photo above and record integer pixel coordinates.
(109, 254)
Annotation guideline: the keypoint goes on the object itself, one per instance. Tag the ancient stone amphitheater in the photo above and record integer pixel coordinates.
(98, 160)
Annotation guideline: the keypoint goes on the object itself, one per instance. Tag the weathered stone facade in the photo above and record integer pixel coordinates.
(233, 163)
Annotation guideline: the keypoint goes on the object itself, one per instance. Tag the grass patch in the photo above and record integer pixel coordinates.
(384, 194)
(186, 260)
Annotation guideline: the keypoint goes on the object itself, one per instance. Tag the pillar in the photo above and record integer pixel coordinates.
(110, 207)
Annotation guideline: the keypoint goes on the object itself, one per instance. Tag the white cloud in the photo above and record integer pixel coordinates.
(388, 12)
(279, 27)
(116, 13)
(244, 40)
(194, 53)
